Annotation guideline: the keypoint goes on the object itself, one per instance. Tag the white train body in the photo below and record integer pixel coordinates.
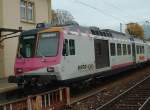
(87, 52)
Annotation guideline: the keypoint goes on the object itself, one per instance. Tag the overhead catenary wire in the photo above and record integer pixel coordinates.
(115, 7)
(121, 19)
(123, 12)
(99, 10)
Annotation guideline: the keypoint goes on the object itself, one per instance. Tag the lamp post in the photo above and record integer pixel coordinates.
(147, 29)
(120, 27)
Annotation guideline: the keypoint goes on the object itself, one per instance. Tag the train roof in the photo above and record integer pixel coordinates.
(31, 32)
(96, 31)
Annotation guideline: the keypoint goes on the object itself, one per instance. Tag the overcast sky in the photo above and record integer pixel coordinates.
(105, 13)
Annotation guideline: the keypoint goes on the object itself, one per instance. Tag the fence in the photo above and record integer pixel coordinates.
(53, 100)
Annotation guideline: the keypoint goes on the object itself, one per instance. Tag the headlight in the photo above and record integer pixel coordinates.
(50, 69)
(19, 70)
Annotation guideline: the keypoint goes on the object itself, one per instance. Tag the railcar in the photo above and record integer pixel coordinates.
(73, 53)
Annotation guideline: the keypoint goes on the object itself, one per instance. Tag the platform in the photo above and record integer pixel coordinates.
(5, 86)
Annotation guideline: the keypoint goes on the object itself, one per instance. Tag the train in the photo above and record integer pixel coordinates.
(71, 53)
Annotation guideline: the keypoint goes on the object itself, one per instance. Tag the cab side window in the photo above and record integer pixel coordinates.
(69, 47)
(72, 46)
(65, 48)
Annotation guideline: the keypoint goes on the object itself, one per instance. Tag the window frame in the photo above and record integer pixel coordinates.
(23, 4)
(26, 19)
(119, 49)
(67, 49)
(72, 47)
(129, 49)
(143, 49)
(124, 48)
(31, 9)
(37, 45)
(113, 49)
(137, 49)
(21, 42)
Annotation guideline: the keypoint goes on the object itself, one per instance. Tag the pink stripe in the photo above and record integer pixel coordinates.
(121, 65)
(31, 64)
(141, 58)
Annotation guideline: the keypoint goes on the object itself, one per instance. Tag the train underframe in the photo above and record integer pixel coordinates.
(32, 80)
(40, 80)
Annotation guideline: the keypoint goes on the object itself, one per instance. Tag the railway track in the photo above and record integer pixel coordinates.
(100, 95)
(97, 98)
(135, 98)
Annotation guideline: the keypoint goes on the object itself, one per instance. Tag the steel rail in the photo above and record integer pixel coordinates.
(87, 96)
(144, 104)
(109, 102)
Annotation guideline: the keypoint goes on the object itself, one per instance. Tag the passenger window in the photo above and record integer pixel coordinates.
(97, 32)
(119, 50)
(113, 49)
(143, 49)
(93, 32)
(107, 34)
(110, 34)
(65, 48)
(124, 49)
(104, 34)
(129, 49)
(137, 49)
(72, 47)
(101, 34)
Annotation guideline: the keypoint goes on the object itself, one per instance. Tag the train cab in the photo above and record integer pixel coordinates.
(39, 50)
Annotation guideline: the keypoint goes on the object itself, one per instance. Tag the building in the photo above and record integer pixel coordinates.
(1, 61)
(14, 14)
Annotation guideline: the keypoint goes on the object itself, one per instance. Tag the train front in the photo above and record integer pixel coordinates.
(39, 52)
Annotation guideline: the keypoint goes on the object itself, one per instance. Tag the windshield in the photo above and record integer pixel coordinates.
(48, 44)
(26, 46)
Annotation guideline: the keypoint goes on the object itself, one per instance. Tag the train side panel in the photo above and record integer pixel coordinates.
(82, 63)
(140, 53)
(121, 59)
(148, 51)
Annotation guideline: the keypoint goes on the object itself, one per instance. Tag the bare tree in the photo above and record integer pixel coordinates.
(61, 17)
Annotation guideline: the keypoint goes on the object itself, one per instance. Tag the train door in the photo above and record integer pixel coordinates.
(101, 53)
(134, 52)
(69, 60)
